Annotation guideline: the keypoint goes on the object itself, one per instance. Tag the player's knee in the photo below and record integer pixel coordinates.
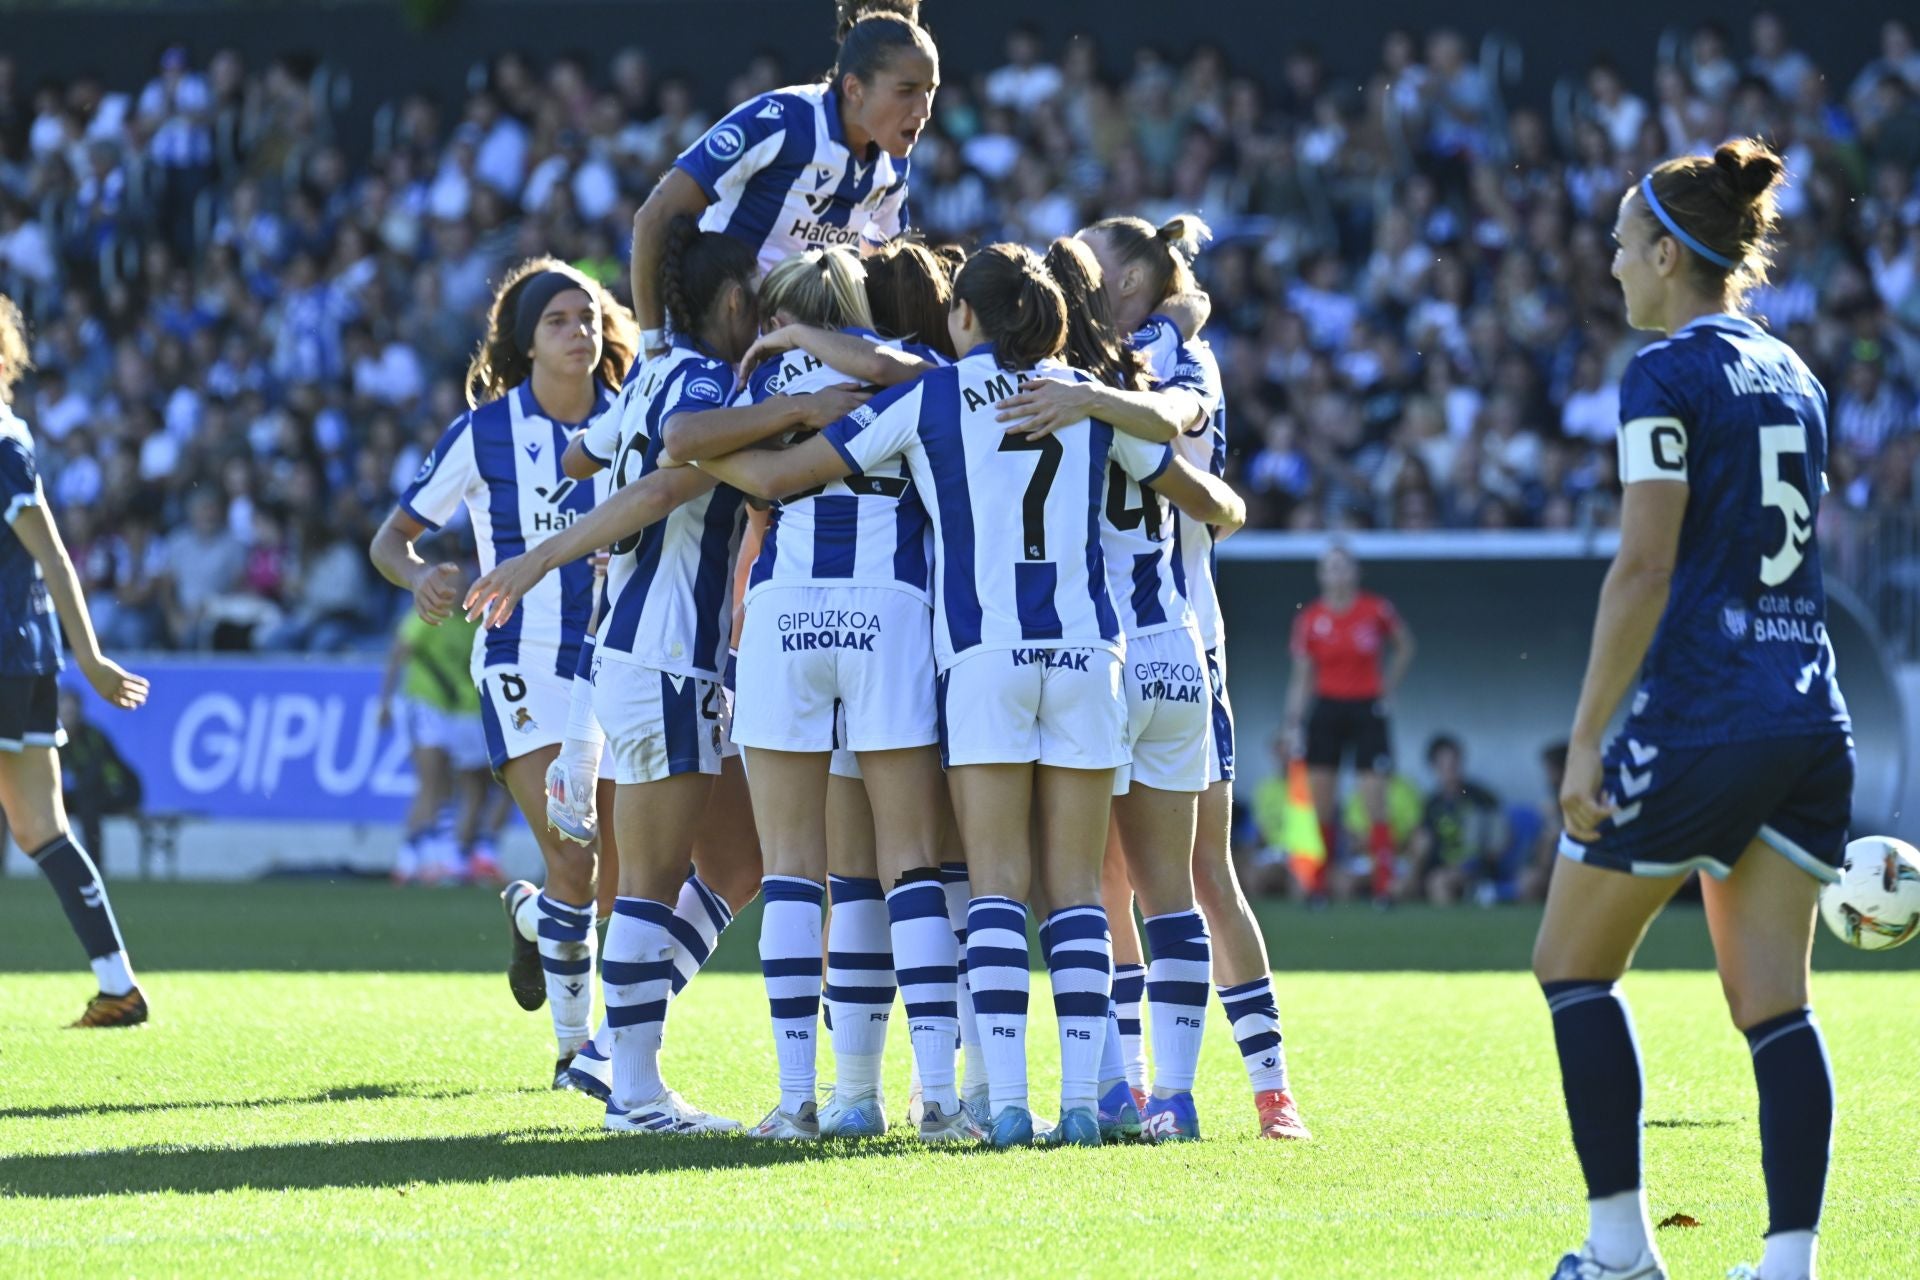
(1751, 1001)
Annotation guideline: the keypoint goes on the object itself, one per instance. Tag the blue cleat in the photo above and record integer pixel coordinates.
(1119, 1117)
(1077, 1128)
(1584, 1266)
(591, 1073)
(1171, 1119)
(853, 1117)
(1013, 1127)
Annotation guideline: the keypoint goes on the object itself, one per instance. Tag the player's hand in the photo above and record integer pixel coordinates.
(1582, 807)
(435, 591)
(827, 406)
(769, 345)
(1189, 312)
(493, 598)
(1043, 406)
(115, 683)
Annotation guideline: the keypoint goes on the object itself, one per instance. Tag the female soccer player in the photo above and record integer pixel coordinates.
(555, 349)
(1736, 757)
(1338, 642)
(35, 573)
(1028, 646)
(838, 651)
(820, 164)
(1148, 277)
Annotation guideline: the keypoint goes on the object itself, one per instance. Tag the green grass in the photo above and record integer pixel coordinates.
(335, 1083)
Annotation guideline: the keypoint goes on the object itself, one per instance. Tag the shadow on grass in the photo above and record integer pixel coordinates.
(408, 1162)
(346, 1093)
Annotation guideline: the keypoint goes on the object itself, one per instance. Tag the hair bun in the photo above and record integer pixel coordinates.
(1749, 166)
(850, 12)
(1184, 235)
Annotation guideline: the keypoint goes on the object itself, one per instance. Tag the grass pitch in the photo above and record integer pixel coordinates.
(336, 1083)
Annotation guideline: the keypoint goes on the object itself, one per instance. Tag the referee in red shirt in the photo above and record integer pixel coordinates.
(1338, 642)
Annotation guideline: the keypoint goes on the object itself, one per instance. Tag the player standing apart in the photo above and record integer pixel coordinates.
(1337, 647)
(36, 583)
(1736, 757)
(555, 350)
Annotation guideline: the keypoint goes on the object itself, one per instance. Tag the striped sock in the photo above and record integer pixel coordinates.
(1177, 981)
(997, 962)
(1113, 1067)
(953, 878)
(1081, 965)
(1129, 987)
(790, 961)
(567, 943)
(860, 983)
(925, 961)
(700, 916)
(636, 980)
(1256, 1029)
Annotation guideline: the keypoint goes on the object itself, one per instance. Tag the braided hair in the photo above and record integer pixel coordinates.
(695, 267)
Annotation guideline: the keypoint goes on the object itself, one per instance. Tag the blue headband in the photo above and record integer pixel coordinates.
(1666, 220)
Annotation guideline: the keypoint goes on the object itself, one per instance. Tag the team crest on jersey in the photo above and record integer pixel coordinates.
(523, 720)
(726, 142)
(704, 389)
(1733, 620)
(426, 467)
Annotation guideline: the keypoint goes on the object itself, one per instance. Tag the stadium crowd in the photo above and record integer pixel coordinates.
(247, 337)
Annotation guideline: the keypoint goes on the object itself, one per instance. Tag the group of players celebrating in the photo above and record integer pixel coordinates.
(870, 511)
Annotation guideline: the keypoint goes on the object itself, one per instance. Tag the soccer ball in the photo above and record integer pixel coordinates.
(1875, 904)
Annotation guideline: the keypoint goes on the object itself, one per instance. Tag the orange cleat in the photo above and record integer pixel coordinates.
(1279, 1118)
(129, 1010)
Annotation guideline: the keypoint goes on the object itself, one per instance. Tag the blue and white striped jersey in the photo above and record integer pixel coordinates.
(29, 632)
(869, 529)
(502, 461)
(669, 587)
(782, 178)
(1189, 364)
(1016, 522)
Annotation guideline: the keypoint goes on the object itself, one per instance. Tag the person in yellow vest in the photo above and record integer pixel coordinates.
(437, 712)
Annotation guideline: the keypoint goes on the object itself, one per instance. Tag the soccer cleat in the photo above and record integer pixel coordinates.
(591, 1073)
(525, 978)
(1279, 1118)
(570, 797)
(1077, 1128)
(129, 1010)
(976, 1104)
(1119, 1114)
(1171, 1119)
(789, 1126)
(1013, 1127)
(916, 1101)
(483, 867)
(937, 1127)
(1584, 1266)
(668, 1113)
(864, 1117)
(563, 1074)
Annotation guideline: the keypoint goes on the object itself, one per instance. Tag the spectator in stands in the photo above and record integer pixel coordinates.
(204, 563)
(1462, 832)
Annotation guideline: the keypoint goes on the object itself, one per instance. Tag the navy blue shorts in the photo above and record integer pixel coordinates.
(30, 712)
(1686, 809)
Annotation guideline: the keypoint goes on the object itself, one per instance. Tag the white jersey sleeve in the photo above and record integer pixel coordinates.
(445, 478)
(882, 429)
(1142, 459)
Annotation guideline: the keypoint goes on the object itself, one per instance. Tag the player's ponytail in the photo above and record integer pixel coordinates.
(872, 32)
(910, 289)
(1722, 209)
(1166, 253)
(502, 360)
(695, 268)
(1016, 302)
(16, 357)
(1093, 340)
(823, 287)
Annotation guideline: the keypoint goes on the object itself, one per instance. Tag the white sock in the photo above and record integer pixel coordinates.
(1789, 1256)
(699, 917)
(567, 945)
(113, 973)
(1177, 991)
(637, 979)
(790, 963)
(585, 738)
(1081, 965)
(1618, 1228)
(1129, 993)
(953, 879)
(526, 917)
(1113, 1068)
(860, 983)
(997, 960)
(925, 962)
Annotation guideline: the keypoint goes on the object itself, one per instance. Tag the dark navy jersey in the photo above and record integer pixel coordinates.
(1742, 652)
(29, 633)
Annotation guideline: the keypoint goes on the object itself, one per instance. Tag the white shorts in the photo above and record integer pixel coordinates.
(1169, 712)
(658, 725)
(522, 709)
(423, 726)
(1058, 707)
(808, 651)
(845, 764)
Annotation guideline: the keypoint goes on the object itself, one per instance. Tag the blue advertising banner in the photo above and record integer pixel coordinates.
(237, 738)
